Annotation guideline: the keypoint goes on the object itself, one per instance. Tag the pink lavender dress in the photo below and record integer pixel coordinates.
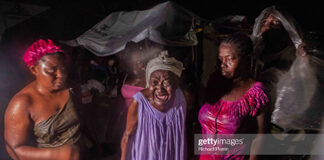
(159, 135)
(128, 91)
(226, 117)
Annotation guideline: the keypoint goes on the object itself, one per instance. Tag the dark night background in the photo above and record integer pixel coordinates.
(65, 20)
(68, 19)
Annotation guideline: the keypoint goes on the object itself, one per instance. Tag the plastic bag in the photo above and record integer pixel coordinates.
(295, 91)
(287, 22)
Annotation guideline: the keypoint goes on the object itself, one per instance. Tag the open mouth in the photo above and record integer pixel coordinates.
(161, 98)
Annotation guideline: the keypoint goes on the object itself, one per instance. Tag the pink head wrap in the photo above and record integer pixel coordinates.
(39, 49)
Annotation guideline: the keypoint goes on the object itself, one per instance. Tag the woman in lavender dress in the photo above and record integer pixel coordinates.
(155, 128)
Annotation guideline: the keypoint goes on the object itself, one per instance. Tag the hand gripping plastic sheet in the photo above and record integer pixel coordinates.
(300, 90)
(295, 91)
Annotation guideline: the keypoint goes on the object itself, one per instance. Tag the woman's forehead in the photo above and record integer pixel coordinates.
(54, 59)
(161, 73)
(227, 49)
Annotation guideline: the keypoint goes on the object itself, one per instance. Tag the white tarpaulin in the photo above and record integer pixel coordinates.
(166, 23)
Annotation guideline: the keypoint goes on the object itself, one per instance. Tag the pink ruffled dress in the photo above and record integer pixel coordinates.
(226, 117)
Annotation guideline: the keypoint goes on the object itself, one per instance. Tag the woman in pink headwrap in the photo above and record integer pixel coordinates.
(44, 109)
(235, 101)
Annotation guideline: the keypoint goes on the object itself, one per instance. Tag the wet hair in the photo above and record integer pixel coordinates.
(242, 42)
(244, 48)
(60, 55)
(38, 49)
(218, 85)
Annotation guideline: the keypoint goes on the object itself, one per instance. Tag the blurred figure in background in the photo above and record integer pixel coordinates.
(134, 59)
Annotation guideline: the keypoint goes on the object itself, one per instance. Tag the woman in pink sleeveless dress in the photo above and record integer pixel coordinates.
(128, 91)
(135, 78)
(235, 101)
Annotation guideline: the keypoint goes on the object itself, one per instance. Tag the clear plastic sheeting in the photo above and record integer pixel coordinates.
(296, 91)
(287, 22)
(299, 102)
(166, 24)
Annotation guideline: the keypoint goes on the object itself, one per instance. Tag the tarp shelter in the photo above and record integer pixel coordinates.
(166, 24)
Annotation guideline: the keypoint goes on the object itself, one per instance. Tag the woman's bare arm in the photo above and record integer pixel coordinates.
(131, 125)
(18, 130)
(257, 142)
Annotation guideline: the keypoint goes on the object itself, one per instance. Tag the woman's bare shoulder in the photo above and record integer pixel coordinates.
(22, 100)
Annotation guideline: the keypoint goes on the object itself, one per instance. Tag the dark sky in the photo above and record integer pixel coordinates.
(308, 13)
(66, 20)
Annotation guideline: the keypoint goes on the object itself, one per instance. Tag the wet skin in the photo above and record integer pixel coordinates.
(50, 72)
(161, 94)
(229, 60)
(35, 103)
(233, 68)
(270, 23)
(161, 90)
(136, 75)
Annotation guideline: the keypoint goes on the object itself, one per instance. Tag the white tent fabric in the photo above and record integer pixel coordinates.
(166, 23)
